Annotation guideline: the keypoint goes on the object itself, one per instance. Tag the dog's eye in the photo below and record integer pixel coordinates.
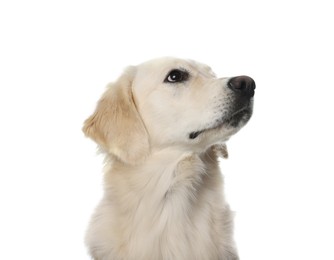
(176, 76)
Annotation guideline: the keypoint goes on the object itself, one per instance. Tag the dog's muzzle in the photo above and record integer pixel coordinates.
(243, 88)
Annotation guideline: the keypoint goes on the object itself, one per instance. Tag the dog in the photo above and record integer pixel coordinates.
(162, 126)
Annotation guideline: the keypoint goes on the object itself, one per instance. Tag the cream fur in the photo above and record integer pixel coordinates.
(163, 192)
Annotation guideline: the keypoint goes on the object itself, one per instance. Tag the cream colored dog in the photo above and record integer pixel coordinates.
(161, 126)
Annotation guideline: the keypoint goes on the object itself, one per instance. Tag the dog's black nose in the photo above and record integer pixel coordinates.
(243, 85)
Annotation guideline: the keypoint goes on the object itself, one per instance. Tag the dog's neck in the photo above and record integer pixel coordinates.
(162, 199)
(173, 171)
(163, 160)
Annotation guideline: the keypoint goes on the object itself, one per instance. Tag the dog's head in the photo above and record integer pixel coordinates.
(169, 102)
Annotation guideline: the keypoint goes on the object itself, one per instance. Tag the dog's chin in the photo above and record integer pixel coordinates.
(238, 119)
(232, 123)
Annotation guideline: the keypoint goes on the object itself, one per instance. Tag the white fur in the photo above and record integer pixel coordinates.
(163, 194)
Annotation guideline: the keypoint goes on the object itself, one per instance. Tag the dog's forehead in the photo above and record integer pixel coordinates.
(166, 64)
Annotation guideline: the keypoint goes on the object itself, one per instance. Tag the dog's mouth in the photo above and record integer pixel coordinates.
(239, 118)
(236, 120)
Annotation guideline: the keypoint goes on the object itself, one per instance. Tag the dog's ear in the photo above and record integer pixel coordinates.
(220, 150)
(116, 124)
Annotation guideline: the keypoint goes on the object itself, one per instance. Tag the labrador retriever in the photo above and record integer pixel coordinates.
(161, 126)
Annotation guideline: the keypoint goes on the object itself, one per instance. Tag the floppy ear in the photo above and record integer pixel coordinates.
(116, 124)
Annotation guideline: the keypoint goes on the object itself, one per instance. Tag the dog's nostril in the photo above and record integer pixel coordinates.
(243, 85)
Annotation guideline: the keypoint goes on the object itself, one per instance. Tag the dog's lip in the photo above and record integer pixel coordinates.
(224, 122)
(194, 134)
(238, 113)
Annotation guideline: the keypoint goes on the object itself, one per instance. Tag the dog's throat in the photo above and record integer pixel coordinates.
(193, 135)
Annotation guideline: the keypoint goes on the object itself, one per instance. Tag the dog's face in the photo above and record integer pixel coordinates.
(171, 102)
(183, 102)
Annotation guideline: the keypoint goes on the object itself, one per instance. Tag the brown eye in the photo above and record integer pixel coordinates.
(176, 76)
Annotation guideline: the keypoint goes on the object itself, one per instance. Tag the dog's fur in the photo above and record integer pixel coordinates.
(163, 194)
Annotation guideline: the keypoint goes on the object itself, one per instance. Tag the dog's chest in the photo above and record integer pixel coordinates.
(168, 216)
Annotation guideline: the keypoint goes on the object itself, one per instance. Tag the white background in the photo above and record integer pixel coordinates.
(56, 58)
